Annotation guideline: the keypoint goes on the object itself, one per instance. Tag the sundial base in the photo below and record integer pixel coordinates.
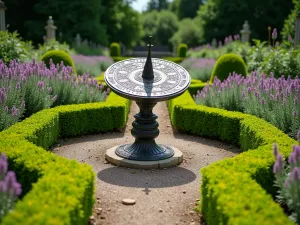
(144, 150)
(116, 160)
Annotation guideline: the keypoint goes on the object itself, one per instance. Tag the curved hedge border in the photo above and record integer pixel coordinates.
(235, 190)
(57, 191)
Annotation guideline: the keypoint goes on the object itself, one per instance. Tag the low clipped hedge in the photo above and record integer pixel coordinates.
(196, 85)
(56, 191)
(238, 190)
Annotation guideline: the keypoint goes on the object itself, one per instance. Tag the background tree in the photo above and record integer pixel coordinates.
(185, 8)
(157, 5)
(220, 18)
(123, 24)
(289, 23)
(166, 27)
(150, 23)
(78, 17)
(188, 33)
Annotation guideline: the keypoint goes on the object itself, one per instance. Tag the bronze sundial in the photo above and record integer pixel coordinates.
(146, 81)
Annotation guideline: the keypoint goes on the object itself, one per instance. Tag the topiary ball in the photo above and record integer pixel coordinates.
(57, 57)
(115, 49)
(182, 50)
(227, 64)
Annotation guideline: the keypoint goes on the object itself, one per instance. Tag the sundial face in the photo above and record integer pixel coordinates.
(125, 78)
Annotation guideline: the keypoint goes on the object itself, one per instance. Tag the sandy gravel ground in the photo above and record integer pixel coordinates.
(163, 197)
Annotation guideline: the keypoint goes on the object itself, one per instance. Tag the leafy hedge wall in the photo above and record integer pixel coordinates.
(56, 191)
(236, 190)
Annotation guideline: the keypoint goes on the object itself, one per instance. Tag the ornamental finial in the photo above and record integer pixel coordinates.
(148, 69)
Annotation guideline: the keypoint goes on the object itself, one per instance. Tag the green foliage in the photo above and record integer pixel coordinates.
(227, 64)
(150, 24)
(166, 27)
(157, 5)
(123, 24)
(188, 33)
(51, 45)
(12, 47)
(185, 8)
(161, 26)
(81, 17)
(115, 50)
(56, 194)
(282, 62)
(182, 50)
(235, 47)
(289, 23)
(57, 57)
(219, 19)
(234, 190)
(195, 86)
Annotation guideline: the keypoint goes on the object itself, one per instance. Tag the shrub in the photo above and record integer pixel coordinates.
(57, 57)
(182, 50)
(51, 45)
(12, 47)
(227, 64)
(115, 49)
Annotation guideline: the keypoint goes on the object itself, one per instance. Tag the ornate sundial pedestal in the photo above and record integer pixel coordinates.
(146, 81)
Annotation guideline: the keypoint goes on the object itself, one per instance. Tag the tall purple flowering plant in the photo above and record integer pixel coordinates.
(287, 178)
(26, 88)
(10, 189)
(275, 100)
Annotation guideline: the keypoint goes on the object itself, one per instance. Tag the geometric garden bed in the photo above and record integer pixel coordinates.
(56, 190)
(237, 190)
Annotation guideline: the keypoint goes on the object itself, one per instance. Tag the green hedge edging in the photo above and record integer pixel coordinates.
(235, 190)
(56, 191)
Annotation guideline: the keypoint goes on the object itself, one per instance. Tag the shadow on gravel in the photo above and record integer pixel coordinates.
(146, 178)
(91, 138)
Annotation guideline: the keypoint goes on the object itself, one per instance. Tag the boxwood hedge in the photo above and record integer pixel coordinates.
(238, 190)
(56, 190)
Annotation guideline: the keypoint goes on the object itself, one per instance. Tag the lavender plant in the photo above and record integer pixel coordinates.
(10, 189)
(199, 69)
(287, 178)
(275, 100)
(93, 65)
(26, 88)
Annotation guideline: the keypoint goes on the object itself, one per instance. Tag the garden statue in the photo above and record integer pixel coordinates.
(245, 32)
(50, 29)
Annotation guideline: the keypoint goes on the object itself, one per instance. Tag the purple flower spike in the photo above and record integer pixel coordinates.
(292, 159)
(3, 166)
(276, 168)
(274, 34)
(295, 174)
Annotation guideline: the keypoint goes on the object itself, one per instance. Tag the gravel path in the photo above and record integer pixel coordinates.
(163, 197)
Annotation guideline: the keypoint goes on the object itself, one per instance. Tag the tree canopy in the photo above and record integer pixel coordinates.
(220, 18)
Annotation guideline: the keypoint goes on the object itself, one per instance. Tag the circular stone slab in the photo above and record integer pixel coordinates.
(125, 78)
(175, 160)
